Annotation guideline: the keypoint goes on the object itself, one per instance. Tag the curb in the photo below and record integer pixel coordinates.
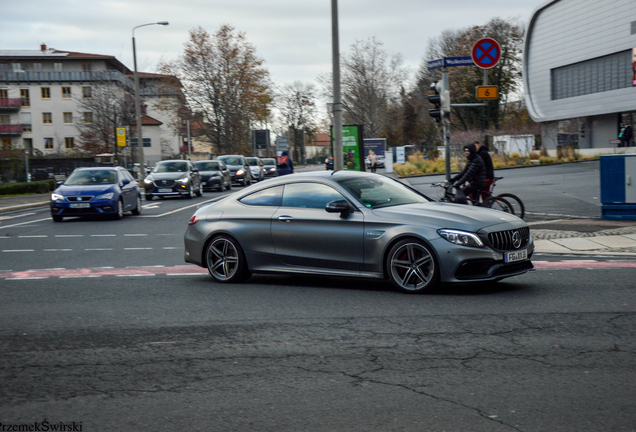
(24, 206)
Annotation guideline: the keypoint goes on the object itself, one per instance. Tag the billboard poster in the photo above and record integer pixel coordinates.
(377, 145)
(352, 147)
(634, 67)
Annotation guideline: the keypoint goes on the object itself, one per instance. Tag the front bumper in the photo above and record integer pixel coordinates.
(212, 183)
(178, 189)
(95, 208)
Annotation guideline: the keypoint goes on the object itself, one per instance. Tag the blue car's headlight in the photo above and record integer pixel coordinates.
(461, 238)
(106, 196)
(57, 197)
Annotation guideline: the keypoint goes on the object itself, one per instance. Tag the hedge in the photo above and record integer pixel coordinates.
(36, 187)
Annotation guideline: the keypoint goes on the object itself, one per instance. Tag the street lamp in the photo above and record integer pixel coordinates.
(140, 137)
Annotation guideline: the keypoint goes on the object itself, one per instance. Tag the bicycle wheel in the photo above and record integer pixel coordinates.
(517, 204)
(498, 203)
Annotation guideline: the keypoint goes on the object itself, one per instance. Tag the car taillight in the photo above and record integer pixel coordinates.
(193, 220)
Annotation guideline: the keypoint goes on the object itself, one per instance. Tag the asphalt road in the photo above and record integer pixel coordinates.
(114, 332)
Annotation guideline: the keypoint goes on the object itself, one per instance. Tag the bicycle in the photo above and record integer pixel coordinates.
(492, 202)
(514, 200)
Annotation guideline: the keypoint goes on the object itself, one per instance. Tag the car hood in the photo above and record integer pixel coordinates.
(168, 176)
(454, 216)
(85, 190)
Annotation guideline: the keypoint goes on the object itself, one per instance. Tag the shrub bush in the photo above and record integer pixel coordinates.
(36, 187)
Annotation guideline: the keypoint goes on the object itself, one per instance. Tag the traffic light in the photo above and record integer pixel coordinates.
(441, 101)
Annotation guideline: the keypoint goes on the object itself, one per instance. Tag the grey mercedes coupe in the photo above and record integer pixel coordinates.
(355, 224)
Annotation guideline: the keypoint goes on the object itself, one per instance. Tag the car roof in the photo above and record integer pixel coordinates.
(105, 168)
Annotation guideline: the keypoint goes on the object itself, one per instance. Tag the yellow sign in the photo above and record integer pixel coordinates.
(487, 92)
(121, 137)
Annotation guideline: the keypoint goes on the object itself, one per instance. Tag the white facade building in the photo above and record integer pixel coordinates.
(41, 109)
(578, 71)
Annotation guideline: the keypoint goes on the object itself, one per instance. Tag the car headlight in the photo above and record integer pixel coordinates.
(240, 172)
(183, 180)
(57, 197)
(461, 238)
(148, 180)
(105, 196)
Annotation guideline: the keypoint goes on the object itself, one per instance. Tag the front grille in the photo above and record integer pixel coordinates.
(510, 239)
(79, 198)
(164, 183)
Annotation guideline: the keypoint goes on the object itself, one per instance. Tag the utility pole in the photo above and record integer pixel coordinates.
(337, 99)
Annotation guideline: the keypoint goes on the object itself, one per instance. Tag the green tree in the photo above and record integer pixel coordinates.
(226, 83)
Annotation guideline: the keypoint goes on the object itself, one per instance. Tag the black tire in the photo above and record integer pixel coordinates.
(225, 260)
(229, 186)
(148, 197)
(57, 218)
(120, 211)
(199, 192)
(137, 210)
(412, 267)
(190, 193)
(517, 204)
(498, 203)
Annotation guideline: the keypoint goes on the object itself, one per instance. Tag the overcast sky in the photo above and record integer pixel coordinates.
(292, 36)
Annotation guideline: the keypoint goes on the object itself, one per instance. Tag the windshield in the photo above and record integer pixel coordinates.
(207, 166)
(92, 177)
(268, 161)
(231, 160)
(252, 161)
(167, 167)
(380, 192)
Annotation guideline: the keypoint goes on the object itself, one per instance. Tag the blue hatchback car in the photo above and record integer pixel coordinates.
(107, 191)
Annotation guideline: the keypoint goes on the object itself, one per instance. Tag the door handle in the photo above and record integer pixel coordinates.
(285, 219)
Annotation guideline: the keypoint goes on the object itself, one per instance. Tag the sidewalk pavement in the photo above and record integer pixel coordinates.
(573, 236)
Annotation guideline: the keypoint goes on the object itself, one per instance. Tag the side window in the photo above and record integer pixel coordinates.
(272, 197)
(309, 195)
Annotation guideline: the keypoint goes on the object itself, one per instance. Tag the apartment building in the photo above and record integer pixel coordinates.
(45, 103)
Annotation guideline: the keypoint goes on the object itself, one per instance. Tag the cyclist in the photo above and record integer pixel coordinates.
(474, 173)
(482, 151)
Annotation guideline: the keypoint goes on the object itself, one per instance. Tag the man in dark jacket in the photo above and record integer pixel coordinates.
(482, 152)
(284, 164)
(474, 172)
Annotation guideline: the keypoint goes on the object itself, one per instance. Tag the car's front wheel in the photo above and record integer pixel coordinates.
(225, 260)
(199, 191)
(120, 210)
(411, 266)
(57, 218)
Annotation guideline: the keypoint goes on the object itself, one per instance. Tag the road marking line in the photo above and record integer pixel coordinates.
(32, 236)
(57, 250)
(15, 216)
(25, 223)
(103, 235)
(18, 250)
(149, 248)
(69, 235)
(99, 249)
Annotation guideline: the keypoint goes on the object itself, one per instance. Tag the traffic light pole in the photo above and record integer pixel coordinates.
(446, 126)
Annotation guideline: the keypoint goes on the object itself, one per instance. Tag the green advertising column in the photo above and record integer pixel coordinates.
(352, 147)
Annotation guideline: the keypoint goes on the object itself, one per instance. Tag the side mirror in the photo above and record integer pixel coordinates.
(339, 206)
(125, 182)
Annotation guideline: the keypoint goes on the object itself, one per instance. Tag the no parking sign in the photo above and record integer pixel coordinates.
(486, 53)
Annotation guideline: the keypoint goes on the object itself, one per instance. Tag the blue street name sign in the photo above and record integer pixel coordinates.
(451, 61)
(436, 64)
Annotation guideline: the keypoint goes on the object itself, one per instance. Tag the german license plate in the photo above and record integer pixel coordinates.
(80, 205)
(164, 190)
(516, 256)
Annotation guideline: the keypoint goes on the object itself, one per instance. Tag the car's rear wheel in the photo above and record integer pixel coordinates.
(137, 210)
(411, 266)
(225, 260)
